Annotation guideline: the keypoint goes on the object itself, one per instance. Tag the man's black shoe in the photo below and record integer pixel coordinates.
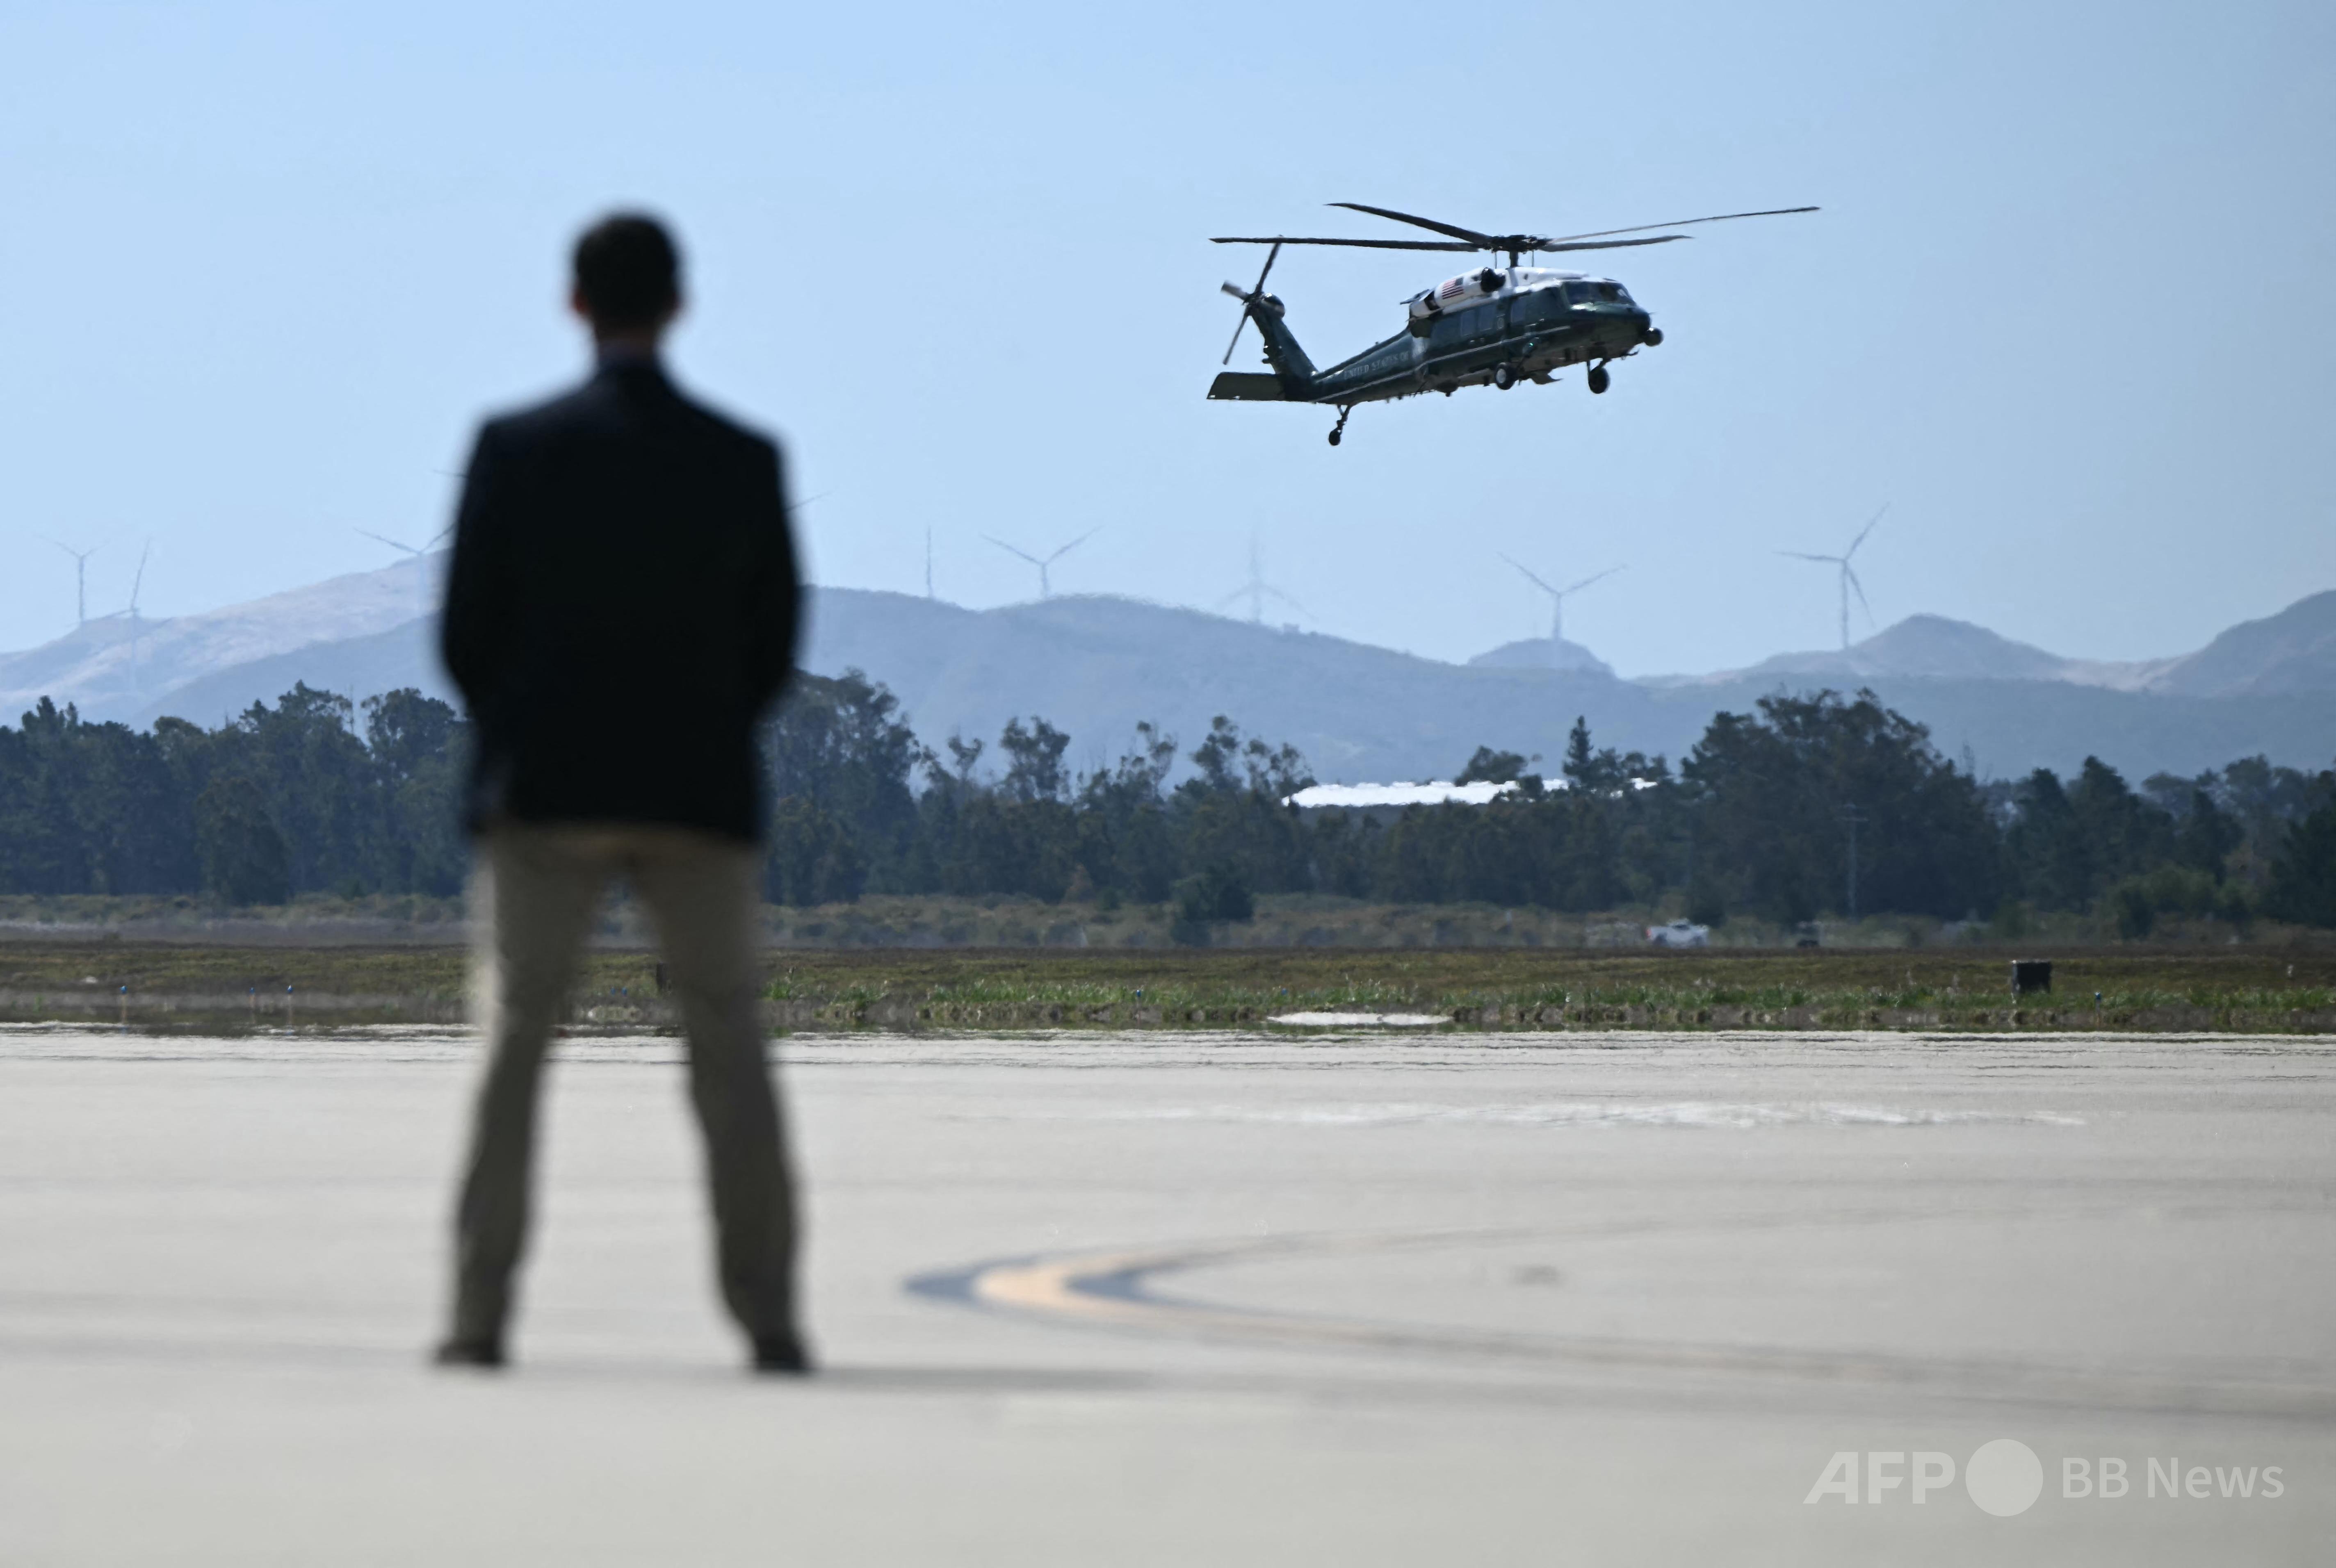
(785, 1355)
(468, 1353)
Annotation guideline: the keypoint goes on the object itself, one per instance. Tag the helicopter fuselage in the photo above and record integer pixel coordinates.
(1495, 325)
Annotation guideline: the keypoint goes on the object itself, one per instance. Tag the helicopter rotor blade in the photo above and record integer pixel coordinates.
(1478, 241)
(1234, 289)
(1244, 322)
(1554, 246)
(1682, 223)
(1523, 242)
(1247, 299)
(1270, 257)
(1360, 244)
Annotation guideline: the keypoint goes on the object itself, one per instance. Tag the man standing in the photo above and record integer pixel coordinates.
(620, 613)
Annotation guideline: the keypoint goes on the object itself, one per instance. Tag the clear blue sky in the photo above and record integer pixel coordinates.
(2068, 306)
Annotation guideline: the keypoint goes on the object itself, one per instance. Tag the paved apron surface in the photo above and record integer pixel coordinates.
(1186, 1299)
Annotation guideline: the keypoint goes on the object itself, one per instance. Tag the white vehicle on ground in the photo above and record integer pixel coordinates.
(1680, 934)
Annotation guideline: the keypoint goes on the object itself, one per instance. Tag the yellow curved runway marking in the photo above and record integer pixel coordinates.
(1108, 1290)
(1102, 1288)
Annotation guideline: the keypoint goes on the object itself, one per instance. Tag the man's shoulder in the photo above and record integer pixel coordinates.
(600, 402)
(517, 426)
(720, 426)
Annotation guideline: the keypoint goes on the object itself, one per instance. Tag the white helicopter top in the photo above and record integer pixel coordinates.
(1502, 282)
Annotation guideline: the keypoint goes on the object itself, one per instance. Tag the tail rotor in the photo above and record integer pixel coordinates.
(1248, 299)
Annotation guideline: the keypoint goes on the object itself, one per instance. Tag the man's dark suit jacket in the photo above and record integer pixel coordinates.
(621, 608)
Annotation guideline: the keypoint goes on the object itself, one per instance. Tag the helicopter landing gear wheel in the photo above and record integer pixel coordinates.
(1598, 379)
(1504, 377)
(1341, 426)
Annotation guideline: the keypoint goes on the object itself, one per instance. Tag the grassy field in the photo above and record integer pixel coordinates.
(210, 985)
(896, 920)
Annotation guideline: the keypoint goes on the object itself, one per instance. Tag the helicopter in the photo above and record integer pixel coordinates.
(1496, 326)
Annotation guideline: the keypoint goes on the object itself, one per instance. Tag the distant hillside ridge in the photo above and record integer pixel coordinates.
(355, 668)
(1096, 666)
(1543, 653)
(2293, 651)
(1934, 647)
(1923, 648)
(113, 668)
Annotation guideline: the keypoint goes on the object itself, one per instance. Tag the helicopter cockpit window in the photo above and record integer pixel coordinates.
(1457, 328)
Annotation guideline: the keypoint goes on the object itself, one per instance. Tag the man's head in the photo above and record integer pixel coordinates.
(628, 279)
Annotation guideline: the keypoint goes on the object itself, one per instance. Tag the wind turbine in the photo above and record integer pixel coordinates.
(400, 544)
(422, 593)
(1257, 590)
(1848, 576)
(1558, 596)
(80, 577)
(137, 684)
(1045, 588)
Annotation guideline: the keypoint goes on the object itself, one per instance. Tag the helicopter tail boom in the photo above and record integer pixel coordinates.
(1242, 386)
(1291, 365)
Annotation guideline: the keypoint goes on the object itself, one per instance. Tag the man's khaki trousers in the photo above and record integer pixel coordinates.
(535, 896)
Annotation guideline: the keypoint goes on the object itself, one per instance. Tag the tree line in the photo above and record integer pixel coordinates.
(1815, 805)
(294, 798)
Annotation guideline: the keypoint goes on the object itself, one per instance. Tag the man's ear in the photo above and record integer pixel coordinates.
(576, 303)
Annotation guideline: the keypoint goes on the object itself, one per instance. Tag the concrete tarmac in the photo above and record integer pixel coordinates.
(1181, 1299)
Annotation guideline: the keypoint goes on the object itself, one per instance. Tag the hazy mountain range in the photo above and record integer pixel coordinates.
(1095, 666)
(2293, 651)
(117, 667)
